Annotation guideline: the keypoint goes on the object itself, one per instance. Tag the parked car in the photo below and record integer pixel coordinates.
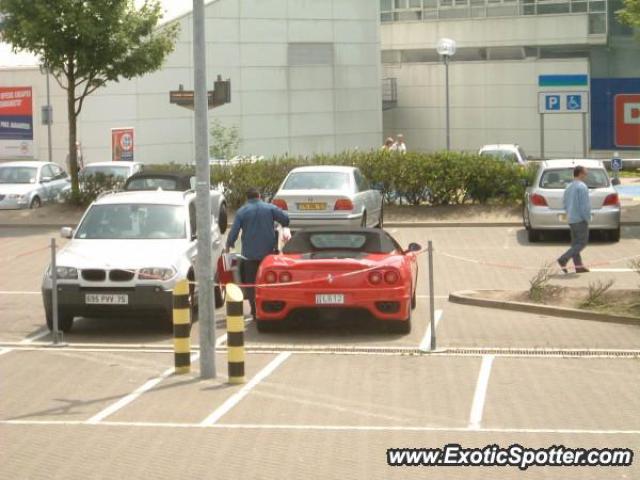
(329, 195)
(118, 170)
(346, 269)
(181, 182)
(543, 200)
(126, 256)
(29, 184)
(507, 152)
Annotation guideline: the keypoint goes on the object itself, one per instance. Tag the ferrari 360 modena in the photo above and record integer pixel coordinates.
(335, 268)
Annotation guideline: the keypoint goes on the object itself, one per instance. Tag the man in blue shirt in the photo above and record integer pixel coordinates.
(259, 238)
(578, 207)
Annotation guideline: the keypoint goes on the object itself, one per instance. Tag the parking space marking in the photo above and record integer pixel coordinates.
(232, 401)
(126, 400)
(4, 350)
(9, 292)
(425, 344)
(440, 297)
(36, 336)
(361, 428)
(475, 417)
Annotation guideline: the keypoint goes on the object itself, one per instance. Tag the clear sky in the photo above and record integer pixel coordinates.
(172, 8)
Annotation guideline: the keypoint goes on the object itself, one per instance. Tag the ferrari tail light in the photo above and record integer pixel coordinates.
(538, 200)
(391, 276)
(280, 203)
(270, 277)
(343, 204)
(375, 278)
(285, 277)
(612, 200)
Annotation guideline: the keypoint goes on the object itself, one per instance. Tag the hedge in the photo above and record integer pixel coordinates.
(441, 178)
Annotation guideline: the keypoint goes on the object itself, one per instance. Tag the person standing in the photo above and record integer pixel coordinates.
(399, 146)
(578, 207)
(255, 219)
(388, 144)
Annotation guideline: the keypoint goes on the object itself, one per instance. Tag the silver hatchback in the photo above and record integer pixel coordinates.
(543, 200)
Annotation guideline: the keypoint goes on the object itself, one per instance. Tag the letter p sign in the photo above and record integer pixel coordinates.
(552, 102)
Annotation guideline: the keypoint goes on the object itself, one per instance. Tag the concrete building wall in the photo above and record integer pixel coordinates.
(280, 103)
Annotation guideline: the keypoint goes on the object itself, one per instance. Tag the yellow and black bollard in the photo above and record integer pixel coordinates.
(235, 333)
(182, 327)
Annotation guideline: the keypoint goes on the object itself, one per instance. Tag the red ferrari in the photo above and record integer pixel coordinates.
(339, 268)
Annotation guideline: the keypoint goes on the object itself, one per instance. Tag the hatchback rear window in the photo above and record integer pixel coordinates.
(317, 181)
(559, 178)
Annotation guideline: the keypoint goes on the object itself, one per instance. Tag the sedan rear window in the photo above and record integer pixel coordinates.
(560, 178)
(119, 172)
(133, 222)
(317, 181)
(152, 184)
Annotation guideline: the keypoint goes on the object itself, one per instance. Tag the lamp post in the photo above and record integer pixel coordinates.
(45, 71)
(446, 48)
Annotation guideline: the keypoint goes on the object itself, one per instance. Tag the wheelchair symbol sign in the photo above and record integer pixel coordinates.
(574, 102)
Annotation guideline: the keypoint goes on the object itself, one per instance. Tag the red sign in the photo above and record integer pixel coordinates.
(15, 101)
(627, 120)
(122, 145)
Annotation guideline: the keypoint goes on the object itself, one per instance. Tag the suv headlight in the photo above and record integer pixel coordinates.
(154, 273)
(64, 273)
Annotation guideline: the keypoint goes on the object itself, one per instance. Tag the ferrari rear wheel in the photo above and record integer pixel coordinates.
(364, 219)
(402, 327)
(414, 300)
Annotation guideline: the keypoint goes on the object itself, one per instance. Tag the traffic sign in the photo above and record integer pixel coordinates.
(627, 120)
(616, 164)
(563, 102)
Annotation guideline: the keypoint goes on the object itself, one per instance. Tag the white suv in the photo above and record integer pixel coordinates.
(126, 256)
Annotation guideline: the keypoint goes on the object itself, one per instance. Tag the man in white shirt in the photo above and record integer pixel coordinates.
(399, 146)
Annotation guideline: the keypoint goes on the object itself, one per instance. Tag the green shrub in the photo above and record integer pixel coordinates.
(91, 187)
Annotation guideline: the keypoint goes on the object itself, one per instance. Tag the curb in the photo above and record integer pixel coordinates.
(468, 297)
(37, 225)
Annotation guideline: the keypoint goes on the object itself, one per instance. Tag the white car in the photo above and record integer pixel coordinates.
(29, 184)
(126, 256)
(507, 152)
(329, 196)
(118, 170)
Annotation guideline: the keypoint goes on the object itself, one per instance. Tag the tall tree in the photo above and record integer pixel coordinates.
(630, 14)
(86, 43)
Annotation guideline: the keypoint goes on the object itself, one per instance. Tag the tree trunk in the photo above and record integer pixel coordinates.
(71, 114)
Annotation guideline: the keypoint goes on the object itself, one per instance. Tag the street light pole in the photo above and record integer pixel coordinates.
(447, 48)
(204, 264)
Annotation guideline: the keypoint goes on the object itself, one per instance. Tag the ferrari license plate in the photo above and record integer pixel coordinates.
(312, 206)
(106, 299)
(329, 299)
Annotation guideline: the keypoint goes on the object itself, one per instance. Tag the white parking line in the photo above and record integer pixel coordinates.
(361, 428)
(36, 336)
(613, 270)
(425, 344)
(124, 401)
(4, 350)
(234, 399)
(477, 408)
(435, 296)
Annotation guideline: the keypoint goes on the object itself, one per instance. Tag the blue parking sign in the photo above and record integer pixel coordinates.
(552, 102)
(616, 164)
(574, 102)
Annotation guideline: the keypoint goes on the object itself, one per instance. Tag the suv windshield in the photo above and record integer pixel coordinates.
(18, 174)
(317, 181)
(107, 171)
(133, 222)
(560, 178)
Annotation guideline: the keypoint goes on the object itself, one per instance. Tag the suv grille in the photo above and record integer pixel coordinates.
(121, 275)
(94, 275)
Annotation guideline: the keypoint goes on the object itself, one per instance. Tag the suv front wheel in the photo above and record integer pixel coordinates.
(65, 320)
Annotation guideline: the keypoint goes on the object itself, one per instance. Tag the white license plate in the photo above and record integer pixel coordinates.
(106, 299)
(329, 299)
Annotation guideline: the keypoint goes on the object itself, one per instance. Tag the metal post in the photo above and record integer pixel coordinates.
(585, 143)
(432, 305)
(542, 136)
(49, 111)
(57, 335)
(204, 265)
(446, 69)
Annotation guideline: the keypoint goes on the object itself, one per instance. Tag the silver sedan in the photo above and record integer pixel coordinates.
(329, 196)
(543, 201)
(29, 184)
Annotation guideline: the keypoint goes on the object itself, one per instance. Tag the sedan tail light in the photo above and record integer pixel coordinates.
(280, 203)
(538, 200)
(343, 204)
(612, 200)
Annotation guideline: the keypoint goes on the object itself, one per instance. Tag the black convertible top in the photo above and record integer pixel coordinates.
(150, 180)
(366, 240)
